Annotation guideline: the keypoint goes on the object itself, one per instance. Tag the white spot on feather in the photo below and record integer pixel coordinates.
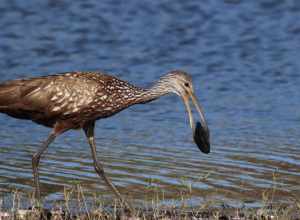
(54, 98)
(108, 109)
(75, 109)
(56, 108)
(103, 97)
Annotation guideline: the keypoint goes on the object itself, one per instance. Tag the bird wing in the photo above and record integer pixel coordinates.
(61, 95)
(47, 99)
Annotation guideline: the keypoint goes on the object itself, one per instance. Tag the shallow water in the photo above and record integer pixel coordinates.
(244, 59)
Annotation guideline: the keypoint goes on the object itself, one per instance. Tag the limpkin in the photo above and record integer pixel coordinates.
(75, 100)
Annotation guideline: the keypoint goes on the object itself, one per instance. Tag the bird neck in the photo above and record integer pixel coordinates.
(160, 88)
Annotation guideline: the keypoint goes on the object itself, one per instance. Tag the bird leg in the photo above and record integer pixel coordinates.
(89, 131)
(35, 163)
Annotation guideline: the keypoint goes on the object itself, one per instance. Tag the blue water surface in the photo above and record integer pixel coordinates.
(244, 60)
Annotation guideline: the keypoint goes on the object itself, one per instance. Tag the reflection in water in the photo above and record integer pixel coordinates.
(245, 68)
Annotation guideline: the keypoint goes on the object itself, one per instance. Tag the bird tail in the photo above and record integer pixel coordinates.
(9, 94)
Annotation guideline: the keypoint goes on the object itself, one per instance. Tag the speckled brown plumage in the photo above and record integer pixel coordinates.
(72, 98)
(77, 99)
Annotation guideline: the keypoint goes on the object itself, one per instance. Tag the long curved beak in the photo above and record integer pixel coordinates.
(200, 131)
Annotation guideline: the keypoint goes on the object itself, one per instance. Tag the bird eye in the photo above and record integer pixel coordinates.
(186, 85)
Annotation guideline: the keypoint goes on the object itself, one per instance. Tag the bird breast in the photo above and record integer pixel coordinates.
(112, 99)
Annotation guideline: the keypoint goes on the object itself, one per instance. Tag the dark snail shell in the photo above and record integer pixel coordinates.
(201, 138)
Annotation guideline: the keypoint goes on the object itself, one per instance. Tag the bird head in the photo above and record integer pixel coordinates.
(180, 83)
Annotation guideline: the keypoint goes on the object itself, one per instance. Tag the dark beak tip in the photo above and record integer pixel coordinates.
(201, 138)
